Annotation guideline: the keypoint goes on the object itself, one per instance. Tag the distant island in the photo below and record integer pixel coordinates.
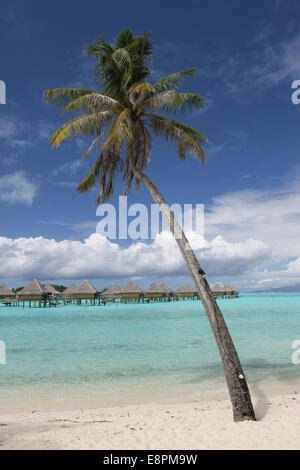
(294, 288)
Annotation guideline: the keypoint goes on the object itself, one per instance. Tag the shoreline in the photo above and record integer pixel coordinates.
(205, 423)
(70, 398)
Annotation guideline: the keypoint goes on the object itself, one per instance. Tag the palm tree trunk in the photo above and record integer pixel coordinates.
(236, 381)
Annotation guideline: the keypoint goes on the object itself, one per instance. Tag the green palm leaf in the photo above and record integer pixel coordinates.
(185, 138)
(174, 80)
(93, 102)
(172, 101)
(85, 125)
(62, 96)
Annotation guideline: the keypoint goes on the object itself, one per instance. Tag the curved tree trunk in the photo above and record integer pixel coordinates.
(236, 381)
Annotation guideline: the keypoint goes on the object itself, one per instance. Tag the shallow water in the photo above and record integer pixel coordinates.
(56, 353)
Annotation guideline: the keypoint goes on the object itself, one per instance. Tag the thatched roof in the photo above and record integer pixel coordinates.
(51, 290)
(218, 288)
(33, 288)
(165, 288)
(131, 288)
(85, 288)
(154, 289)
(70, 290)
(6, 291)
(111, 290)
(229, 288)
(188, 289)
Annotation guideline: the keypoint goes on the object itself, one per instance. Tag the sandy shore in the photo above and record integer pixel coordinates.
(202, 424)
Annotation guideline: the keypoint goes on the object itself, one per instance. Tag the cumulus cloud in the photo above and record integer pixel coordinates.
(98, 258)
(269, 215)
(251, 239)
(17, 188)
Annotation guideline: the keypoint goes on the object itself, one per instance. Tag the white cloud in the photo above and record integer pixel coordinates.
(267, 63)
(278, 63)
(15, 131)
(269, 215)
(97, 257)
(7, 128)
(252, 240)
(69, 168)
(17, 188)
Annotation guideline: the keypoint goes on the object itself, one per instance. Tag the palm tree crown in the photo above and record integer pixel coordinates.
(122, 116)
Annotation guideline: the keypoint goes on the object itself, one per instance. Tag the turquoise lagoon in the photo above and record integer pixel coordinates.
(144, 350)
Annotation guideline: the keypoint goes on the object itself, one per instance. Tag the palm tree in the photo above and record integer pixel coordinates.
(121, 117)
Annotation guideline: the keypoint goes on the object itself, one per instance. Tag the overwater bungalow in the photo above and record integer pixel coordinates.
(85, 291)
(165, 288)
(187, 292)
(154, 292)
(69, 292)
(51, 290)
(226, 291)
(7, 296)
(168, 293)
(6, 292)
(34, 293)
(231, 290)
(111, 293)
(218, 290)
(131, 293)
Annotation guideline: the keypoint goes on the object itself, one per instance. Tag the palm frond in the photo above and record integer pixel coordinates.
(85, 125)
(63, 96)
(93, 102)
(124, 38)
(103, 172)
(138, 93)
(172, 101)
(124, 64)
(185, 138)
(96, 143)
(89, 182)
(121, 130)
(174, 80)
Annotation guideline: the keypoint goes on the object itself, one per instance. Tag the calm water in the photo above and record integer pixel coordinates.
(67, 351)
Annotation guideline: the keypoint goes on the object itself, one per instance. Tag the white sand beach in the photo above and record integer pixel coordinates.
(202, 424)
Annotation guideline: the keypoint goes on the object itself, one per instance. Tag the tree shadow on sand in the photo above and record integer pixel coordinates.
(261, 401)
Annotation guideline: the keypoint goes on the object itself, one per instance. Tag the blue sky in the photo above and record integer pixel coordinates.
(247, 55)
